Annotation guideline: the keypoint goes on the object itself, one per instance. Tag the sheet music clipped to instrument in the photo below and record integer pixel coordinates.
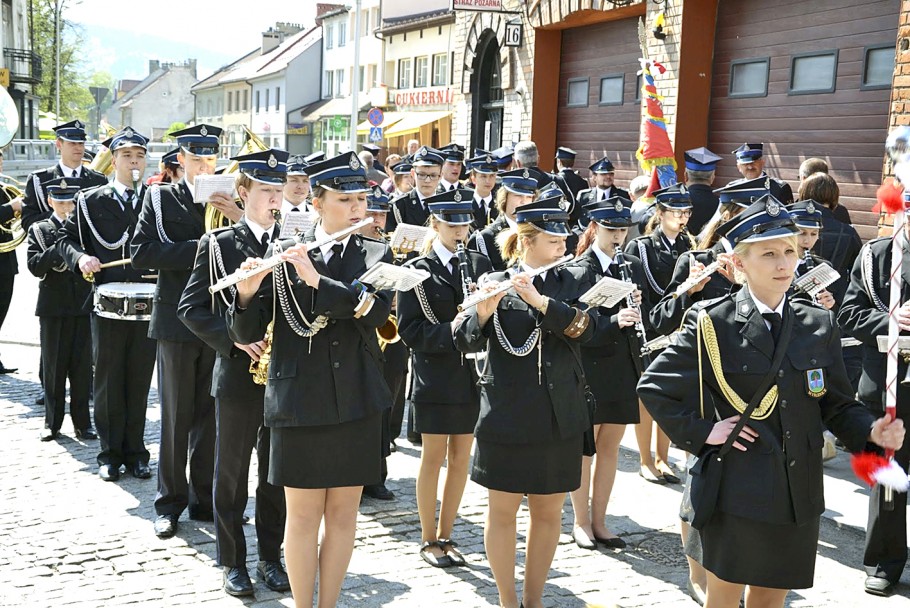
(608, 292)
(205, 186)
(408, 238)
(385, 276)
(297, 223)
(816, 279)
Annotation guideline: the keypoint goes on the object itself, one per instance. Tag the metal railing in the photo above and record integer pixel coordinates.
(24, 65)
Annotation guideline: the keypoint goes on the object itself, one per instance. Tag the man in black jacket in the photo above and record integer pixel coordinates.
(426, 169)
(566, 177)
(98, 232)
(70, 143)
(700, 166)
(170, 225)
(751, 164)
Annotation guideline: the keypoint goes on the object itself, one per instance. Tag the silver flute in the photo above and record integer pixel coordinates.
(693, 281)
(275, 260)
(479, 296)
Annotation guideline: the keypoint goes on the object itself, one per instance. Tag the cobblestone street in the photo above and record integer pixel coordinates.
(67, 538)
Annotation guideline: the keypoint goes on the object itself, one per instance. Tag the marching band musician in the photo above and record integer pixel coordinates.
(483, 171)
(170, 225)
(864, 316)
(700, 166)
(751, 164)
(297, 187)
(411, 208)
(450, 178)
(518, 188)
(807, 217)
(325, 393)
(403, 179)
(70, 142)
(667, 314)
(664, 240)
(170, 171)
(612, 362)
(238, 399)
(444, 391)
(760, 533)
(602, 175)
(395, 366)
(533, 411)
(98, 232)
(566, 177)
(9, 265)
(63, 308)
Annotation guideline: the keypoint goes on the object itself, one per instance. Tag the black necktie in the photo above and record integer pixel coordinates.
(538, 283)
(452, 187)
(295, 208)
(334, 263)
(264, 242)
(613, 270)
(776, 322)
(128, 194)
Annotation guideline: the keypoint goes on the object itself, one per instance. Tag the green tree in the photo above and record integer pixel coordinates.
(75, 99)
(175, 126)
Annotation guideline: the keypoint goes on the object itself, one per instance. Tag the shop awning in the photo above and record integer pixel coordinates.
(412, 122)
(390, 119)
(339, 106)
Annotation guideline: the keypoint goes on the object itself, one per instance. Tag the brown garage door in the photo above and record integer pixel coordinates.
(846, 126)
(600, 56)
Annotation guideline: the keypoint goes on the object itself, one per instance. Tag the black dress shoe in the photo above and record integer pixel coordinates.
(581, 539)
(7, 370)
(201, 514)
(274, 576)
(378, 491)
(166, 527)
(237, 582)
(611, 543)
(109, 472)
(140, 470)
(87, 433)
(48, 434)
(877, 585)
(39, 400)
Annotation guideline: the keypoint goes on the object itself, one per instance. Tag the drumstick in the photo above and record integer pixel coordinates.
(90, 276)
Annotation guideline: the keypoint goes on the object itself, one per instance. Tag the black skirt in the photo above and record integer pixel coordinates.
(749, 552)
(529, 468)
(617, 412)
(446, 418)
(330, 456)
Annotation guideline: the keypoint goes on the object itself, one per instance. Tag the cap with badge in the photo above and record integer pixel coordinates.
(744, 192)
(403, 168)
(63, 188)
(701, 159)
(806, 214)
(673, 197)
(602, 166)
(427, 157)
(519, 181)
(615, 212)
(546, 213)
(378, 201)
(170, 157)
(371, 148)
(343, 173)
(763, 220)
(269, 166)
(503, 156)
(483, 163)
(565, 153)
(454, 207)
(71, 131)
(200, 140)
(748, 153)
(453, 153)
(315, 157)
(297, 165)
(126, 138)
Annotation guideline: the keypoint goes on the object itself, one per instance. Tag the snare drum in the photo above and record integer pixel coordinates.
(124, 301)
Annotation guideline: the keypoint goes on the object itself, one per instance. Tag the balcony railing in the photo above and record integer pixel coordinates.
(24, 66)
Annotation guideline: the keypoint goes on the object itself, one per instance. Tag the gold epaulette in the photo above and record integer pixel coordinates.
(768, 402)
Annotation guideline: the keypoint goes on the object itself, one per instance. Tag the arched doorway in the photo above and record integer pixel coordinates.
(486, 90)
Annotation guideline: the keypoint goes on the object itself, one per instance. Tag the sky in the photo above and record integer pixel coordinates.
(214, 33)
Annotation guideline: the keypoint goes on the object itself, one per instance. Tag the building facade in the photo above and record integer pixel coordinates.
(161, 99)
(808, 79)
(23, 67)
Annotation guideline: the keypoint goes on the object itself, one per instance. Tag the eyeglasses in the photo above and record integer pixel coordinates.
(427, 176)
(680, 213)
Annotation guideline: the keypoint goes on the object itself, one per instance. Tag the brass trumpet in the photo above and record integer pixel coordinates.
(388, 333)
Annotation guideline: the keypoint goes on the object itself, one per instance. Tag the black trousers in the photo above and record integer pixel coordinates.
(6, 294)
(66, 352)
(886, 530)
(395, 371)
(124, 358)
(187, 427)
(240, 428)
